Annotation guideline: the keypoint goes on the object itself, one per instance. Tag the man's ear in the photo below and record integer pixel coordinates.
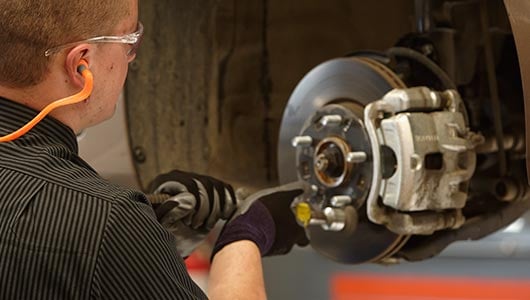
(73, 59)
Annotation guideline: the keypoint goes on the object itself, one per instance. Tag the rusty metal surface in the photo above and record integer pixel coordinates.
(519, 14)
(211, 81)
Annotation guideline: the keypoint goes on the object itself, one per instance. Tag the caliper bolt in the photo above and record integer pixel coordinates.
(302, 141)
(356, 157)
(331, 120)
(341, 200)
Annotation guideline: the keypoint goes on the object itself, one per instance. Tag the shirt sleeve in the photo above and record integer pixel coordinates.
(138, 258)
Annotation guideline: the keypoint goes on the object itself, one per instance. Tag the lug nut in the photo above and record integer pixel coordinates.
(356, 157)
(341, 200)
(302, 141)
(336, 219)
(331, 120)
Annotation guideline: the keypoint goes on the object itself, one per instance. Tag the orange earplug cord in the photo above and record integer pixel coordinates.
(81, 96)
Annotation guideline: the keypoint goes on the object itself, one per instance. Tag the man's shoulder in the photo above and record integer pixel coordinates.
(69, 173)
(91, 185)
(62, 206)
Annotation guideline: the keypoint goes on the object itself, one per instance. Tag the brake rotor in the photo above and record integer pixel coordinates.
(348, 83)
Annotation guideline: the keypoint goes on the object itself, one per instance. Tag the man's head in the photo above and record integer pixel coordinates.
(30, 27)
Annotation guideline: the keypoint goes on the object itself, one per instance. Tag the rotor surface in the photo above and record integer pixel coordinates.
(357, 80)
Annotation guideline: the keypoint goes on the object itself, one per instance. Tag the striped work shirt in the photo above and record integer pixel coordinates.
(65, 233)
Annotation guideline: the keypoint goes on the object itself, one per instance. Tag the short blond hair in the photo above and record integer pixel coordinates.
(29, 27)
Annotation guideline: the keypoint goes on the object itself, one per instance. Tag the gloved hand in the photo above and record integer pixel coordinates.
(195, 204)
(266, 219)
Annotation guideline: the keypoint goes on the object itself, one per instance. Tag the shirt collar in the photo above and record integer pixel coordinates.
(49, 131)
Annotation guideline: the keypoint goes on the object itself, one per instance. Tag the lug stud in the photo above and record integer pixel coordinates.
(356, 157)
(331, 120)
(302, 141)
(336, 219)
(341, 200)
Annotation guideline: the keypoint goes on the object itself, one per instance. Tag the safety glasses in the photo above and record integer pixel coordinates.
(132, 39)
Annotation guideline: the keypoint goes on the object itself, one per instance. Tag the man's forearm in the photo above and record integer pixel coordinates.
(237, 273)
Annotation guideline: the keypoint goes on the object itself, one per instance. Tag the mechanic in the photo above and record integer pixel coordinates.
(67, 233)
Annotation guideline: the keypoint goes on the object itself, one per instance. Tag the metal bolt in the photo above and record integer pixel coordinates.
(314, 189)
(356, 157)
(139, 154)
(317, 222)
(341, 200)
(506, 189)
(331, 120)
(302, 141)
(305, 217)
(336, 219)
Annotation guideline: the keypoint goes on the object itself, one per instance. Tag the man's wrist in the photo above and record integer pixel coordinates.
(256, 225)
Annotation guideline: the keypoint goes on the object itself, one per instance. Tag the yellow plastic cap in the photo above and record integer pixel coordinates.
(303, 213)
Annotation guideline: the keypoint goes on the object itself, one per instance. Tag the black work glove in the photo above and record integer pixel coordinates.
(266, 219)
(195, 204)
